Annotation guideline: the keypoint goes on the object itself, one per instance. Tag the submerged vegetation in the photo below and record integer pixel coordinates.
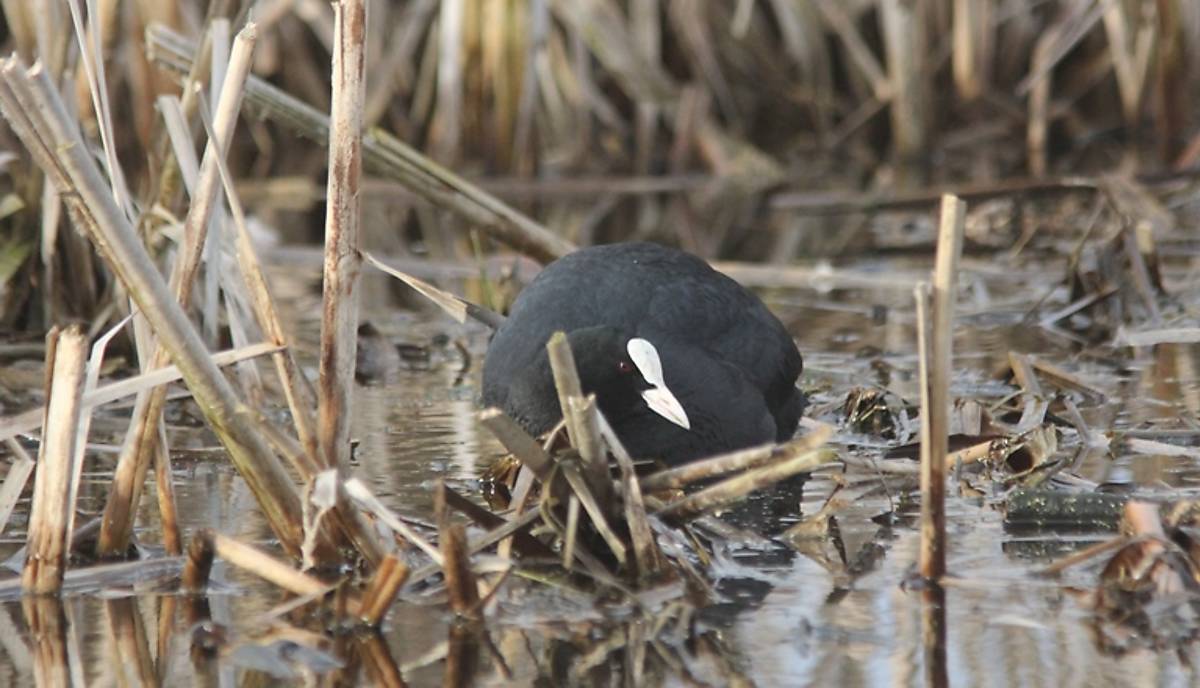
(162, 171)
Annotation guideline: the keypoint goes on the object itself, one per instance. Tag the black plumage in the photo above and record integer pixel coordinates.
(725, 358)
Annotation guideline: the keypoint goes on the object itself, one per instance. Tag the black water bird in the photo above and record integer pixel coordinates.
(684, 361)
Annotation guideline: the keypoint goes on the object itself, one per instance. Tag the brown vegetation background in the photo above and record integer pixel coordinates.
(730, 127)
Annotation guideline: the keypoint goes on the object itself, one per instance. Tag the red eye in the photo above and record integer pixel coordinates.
(624, 367)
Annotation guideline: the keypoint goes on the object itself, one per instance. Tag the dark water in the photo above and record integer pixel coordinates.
(792, 617)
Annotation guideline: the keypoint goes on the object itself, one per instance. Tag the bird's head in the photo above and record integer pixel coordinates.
(625, 373)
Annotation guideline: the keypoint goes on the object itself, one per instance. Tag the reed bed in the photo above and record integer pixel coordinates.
(729, 128)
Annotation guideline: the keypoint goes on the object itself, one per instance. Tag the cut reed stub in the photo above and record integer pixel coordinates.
(50, 514)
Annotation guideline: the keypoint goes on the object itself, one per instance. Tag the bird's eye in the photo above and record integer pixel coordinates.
(624, 367)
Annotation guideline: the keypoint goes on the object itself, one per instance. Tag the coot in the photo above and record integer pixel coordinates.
(684, 361)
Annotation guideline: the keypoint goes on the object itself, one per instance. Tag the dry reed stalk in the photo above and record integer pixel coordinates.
(51, 510)
(90, 81)
(456, 559)
(305, 457)
(528, 546)
(143, 434)
(339, 316)
(1038, 129)
(218, 32)
(381, 667)
(28, 421)
(458, 308)
(1132, 52)
(518, 442)
(1087, 553)
(582, 428)
(586, 418)
(381, 590)
(595, 510)
(972, 454)
(860, 54)
(268, 568)
(646, 553)
(197, 73)
(972, 35)
(903, 26)
(730, 462)
(932, 557)
(571, 532)
(794, 459)
(390, 157)
(14, 482)
(361, 494)
(447, 117)
(33, 108)
(935, 388)
(164, 485)
(1035, 400)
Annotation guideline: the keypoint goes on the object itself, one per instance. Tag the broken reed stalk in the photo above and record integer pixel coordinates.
(932, 558)
(381, 590)
(935, 351)
(794, 458)
(1035, 402)
(582, 427)
(28, 421)
(456, 559)
(356, 490)
(528, 546)
(207, 545)
(34, 110)
(509, 529)
(267, 567)
(372, 650)
(571, 532)
(716, 466)
(304, 456)
(296, 388)
(143, 433)
(646, 554)
(47, 547)
(339, 316)
(458, 308)
(387, 155)
(595, 510)
(518, 442)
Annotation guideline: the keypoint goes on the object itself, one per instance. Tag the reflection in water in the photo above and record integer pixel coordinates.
(824, 615)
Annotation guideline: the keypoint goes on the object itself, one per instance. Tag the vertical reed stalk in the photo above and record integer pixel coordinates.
(143, 434)
(50, 514)
(34, 110)
(381, 591)
(339, 320)
(935, 350)
(903, 27)
(582, 427)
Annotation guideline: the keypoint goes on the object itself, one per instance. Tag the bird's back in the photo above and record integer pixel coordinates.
(653, 292)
